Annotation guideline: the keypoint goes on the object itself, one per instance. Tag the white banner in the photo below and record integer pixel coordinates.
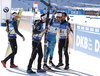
(35, 5)
(5, 11)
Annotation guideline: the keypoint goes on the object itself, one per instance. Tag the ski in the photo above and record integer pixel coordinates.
(6, 10)
(45, 36)
(46, 3)
(62, 70)
(33, 28)
(19, 16)
(52, 70)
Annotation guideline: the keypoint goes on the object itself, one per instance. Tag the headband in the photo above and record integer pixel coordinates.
(43, 17)
(14, 15)
(58, 14)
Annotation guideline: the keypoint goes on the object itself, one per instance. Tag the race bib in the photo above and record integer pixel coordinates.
(62, 32)
(53, 29)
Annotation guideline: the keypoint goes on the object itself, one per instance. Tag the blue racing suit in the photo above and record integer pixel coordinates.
(52, 38)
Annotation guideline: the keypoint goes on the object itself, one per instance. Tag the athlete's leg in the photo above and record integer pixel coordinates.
(33, 55)
(40, 56)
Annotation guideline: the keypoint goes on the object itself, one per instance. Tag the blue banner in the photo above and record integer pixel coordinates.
(76, 12)
(72, 12)
(88, 40)
(44, 11)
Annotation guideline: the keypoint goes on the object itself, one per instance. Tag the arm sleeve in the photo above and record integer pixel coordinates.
(16, 29)
(37, 29)
(51, 20)
(70, 27)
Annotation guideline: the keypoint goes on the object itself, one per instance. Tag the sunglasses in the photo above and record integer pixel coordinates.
(63, 16)
(16, 16)
(59, 17)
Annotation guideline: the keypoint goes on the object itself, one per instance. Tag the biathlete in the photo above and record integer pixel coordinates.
(64, 31)
(52, 31)
(37, 33)
(12, 31)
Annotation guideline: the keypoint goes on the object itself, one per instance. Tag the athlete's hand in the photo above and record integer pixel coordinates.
(45, 30)
(23, 38)
(68, 31)
(7, 29)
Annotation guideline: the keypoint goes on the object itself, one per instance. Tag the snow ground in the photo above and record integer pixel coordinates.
(80, 64)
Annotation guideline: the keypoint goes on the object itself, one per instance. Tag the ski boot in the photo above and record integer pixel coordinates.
(52, 64)
(66, 67)
(13, 66)
(3, 63)
(30, 71)
(46, 67)
(41, 71)
(59, 64)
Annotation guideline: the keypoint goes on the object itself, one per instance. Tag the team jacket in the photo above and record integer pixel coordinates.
(13, 30)
(37, 31)
(63, 30)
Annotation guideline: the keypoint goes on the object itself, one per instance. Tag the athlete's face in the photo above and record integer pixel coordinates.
(63, 17)
(44, 20)
(58, 18)
(16, 17)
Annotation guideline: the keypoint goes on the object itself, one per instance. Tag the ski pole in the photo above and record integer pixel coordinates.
(67, 36)
(69, 45)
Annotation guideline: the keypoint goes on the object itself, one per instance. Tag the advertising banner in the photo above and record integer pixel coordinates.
(71, 12)
(96, 13)
(76, 12)
(51, 11)
(5, 11)
(88, 40)
(44, 11)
